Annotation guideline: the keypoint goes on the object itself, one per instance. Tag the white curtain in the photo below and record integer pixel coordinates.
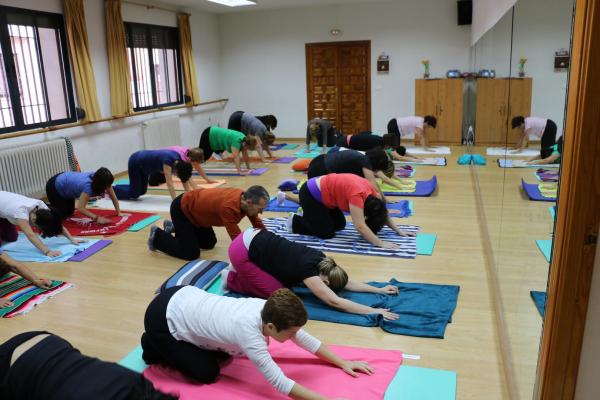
(486, 13)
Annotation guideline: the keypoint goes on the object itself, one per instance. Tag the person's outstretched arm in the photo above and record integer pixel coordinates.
(236, 160)
(201, 172)
(24, 271)
(35, 240)
(168, 171)
(81, 207)
(366, 288)
(358, 219)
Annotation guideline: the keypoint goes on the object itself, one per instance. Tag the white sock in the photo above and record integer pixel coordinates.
(280, 198)
(289, 223)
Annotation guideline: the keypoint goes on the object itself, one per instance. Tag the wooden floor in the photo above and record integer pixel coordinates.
(103, 314)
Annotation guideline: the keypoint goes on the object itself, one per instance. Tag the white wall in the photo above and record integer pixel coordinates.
(587, 380)
(540, 28)
(263, 55)
(110, 143)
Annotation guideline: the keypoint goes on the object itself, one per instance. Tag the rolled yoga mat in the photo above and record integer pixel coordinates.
(533, 192)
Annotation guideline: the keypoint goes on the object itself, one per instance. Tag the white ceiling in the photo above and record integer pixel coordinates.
(204, 5)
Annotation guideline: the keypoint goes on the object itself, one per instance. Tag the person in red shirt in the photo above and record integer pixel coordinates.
(324, 200)
(194, 214)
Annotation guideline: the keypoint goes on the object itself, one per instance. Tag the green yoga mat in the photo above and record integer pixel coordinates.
(425, 243)
(134, 360)
(143, 223)
(545, 247)
(290, 147)
(415, 383)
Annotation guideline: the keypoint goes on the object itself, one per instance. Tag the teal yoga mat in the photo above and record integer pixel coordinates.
(143, 223)
(122, 181)
(425, 243)
(552, 210)
(545, 247)
(416, 383)
(134, 360)
(290, 147)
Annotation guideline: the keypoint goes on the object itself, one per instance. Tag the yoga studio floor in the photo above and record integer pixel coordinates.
(479, 215)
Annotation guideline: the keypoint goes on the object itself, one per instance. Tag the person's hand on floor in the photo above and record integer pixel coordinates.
(43, 283)
(77, 241)
(389, 245)
(351, 367)
(5, 303)
(388, 289)
(53, 253)
(407, 234)
(387, 314)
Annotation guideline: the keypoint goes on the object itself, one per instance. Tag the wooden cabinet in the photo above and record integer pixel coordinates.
(442, 98)
(498, 101)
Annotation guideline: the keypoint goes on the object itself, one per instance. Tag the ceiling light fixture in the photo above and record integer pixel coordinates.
(234, 3)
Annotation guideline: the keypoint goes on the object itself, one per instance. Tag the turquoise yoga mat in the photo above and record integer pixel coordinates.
(545, 247)
(425, 243)
(552, 210)
(290, 147)
(134, 360)
(122, 181)
(416, 383)
(143, 223)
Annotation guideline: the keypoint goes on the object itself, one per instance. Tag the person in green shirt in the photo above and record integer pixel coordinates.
(217, 139)
(552, 154)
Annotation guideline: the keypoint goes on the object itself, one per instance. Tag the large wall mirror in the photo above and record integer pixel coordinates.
(516, 108)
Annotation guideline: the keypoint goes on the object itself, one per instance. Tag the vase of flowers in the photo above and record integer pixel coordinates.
(426, 65)
(522, 62)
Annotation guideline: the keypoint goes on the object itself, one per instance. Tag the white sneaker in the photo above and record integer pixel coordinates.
(289, 223)
(224, 275)
(217, 156)
(280, 198)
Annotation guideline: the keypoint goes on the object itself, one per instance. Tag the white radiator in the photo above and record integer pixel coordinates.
(25, 170)
(161, 132)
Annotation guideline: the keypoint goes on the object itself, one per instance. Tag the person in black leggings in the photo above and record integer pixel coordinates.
(40, 365)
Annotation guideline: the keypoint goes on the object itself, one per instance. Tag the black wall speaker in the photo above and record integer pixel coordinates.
(465, 11)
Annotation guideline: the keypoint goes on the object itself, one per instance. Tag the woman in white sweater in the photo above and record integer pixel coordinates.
(192, 331)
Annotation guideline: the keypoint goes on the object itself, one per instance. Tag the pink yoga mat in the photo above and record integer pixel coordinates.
(240, 380)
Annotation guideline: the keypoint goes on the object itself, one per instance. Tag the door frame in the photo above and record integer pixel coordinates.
(307, 47)
(578, 215)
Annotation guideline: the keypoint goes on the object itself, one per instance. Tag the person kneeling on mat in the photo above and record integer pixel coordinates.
(321, 131)
(40, 365)
(27, 213)
(549, 156)
(362, 142)
(63, 189)
(263, 262)
(215, 139)
(417, 126)
(194, 214)
(260, 127)
(144, 164)
(397, 152)
(324, 200)
(194, 156)
(7, 264)
(542, 128)
(193, 331)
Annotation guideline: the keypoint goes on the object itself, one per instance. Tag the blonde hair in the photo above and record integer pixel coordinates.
(250, 142)
(337, 277)
(268, 138)
(314, 128)
(196, 154)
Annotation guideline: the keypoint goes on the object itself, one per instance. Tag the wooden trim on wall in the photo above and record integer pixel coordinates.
(578, 215)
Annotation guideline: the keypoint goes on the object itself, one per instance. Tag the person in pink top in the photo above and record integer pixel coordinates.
(324, 200)
(409, 126)
(542, 128)
(194, 155)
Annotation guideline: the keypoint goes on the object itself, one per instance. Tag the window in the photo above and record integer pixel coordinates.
(35, 76)
(154, 68)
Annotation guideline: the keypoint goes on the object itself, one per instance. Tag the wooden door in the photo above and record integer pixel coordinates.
(490, 118)
(354, 88)
(322, 81)
(519, 103)
(338, 82)
(450, 111)
(426, 101)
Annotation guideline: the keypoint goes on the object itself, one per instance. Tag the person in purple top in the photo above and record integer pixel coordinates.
(65, 188)
(144, 163)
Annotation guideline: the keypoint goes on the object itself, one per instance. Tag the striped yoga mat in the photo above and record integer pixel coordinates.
(24, 294)
(199, 273)
(350, 241)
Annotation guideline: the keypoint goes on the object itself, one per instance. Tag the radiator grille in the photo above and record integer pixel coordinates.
(161, 132)
(25, 170)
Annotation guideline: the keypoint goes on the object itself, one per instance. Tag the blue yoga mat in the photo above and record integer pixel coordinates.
(533, 192)
(416, 383)
(545, 247)
(423, 189)
(539, 298)
(401, 209)
(425, 309)
(24, 250)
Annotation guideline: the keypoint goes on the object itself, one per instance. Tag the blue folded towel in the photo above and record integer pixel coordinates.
(464, 159)
(478, 159)
(425, 309)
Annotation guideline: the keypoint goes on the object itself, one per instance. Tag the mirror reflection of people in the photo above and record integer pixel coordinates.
(552, 155)
(397, 152)
(419, 126)
(542, 128)
(40, 365)
(321, 131)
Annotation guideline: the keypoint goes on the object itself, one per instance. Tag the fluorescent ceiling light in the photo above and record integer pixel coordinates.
(234, 3)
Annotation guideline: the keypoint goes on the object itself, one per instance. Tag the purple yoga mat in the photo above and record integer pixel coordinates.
(423, 189)
(284, 160)
(533, 192)
(258, 171)
(93, 249)
(233, 172)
